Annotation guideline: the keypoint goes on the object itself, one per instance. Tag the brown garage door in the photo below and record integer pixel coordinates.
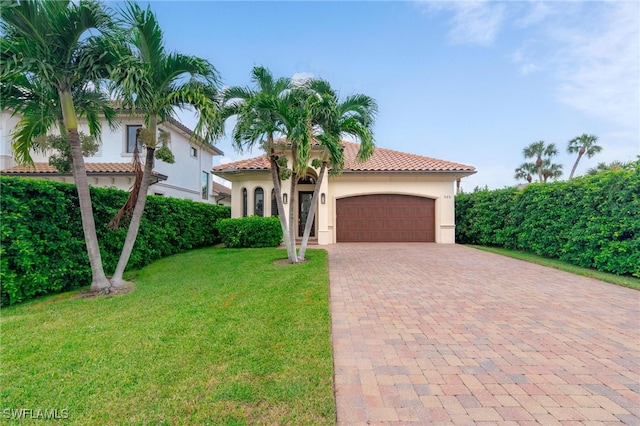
(385, 218)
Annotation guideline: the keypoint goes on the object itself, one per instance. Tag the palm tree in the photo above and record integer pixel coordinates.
(538, 150)
(584, 144)
(332, 121)
(38, 107)
(156, 83)
(258, 123)
(525, 171)
(51, 42)
(614, 166)
(551, 170)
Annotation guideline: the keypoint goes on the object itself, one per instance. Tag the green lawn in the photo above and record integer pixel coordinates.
(624, 281)
(211, 336)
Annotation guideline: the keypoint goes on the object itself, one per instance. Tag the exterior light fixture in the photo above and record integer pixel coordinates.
(284, 198)
(322, 198)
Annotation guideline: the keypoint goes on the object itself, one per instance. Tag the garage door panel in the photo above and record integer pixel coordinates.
(385, 218)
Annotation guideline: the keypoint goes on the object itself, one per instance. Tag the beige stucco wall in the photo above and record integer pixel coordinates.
(439, 187)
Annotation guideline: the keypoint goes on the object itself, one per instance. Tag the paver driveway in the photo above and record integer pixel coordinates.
(427, 334)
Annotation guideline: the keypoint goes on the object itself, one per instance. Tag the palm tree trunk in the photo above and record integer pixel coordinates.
(134, 224)
(277, 186)
(99, 281)
(539, 166)
(136, 217)
(575, 165)
(292, 227)
(312, 214)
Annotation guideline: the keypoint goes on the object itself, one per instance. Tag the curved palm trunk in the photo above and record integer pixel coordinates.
(283, 217)
(136, 217)
(99, 281)
(292, 228)
(134, 224)
(575, 165)
(312, 214)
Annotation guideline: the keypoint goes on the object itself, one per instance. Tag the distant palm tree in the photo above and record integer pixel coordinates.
(538, 150)
(156, 83)
(551, 170)
(50, 44)
(525, 171)
(584, 144)
(613, 166)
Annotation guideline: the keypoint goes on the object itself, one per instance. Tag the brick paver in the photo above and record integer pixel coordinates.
(445, 334)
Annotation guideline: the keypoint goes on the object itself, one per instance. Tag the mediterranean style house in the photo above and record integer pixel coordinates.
(189, 177)
(392, 197)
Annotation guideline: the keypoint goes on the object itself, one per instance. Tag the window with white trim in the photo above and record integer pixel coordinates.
(132, 138)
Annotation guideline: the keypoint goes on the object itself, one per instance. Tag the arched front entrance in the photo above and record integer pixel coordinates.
(385, 218)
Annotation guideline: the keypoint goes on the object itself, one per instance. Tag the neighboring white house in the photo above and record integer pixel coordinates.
(189, 177)
(221, 194)
(392, 197)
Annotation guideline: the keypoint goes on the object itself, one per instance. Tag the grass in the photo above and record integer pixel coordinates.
(621, 280)
(211, 336)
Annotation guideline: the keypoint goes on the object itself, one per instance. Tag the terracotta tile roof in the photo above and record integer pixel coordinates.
(221, 189)
(383, 160)
(256, 163)
(92, 168)
(388, 160)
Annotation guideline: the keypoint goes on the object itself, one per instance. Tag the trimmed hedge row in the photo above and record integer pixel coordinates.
(42, 244)
(250, 232)
(591, 221)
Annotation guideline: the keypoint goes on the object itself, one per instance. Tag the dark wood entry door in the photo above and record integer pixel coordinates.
(385, 218)
(304, 207)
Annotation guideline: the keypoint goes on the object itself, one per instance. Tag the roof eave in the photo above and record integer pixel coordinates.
(457, 172)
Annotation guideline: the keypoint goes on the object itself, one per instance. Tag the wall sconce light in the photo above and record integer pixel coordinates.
(322, 198)
(284, 198)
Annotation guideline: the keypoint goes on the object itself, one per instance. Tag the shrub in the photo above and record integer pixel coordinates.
(42, 246)
(591, 221)
(250, 232)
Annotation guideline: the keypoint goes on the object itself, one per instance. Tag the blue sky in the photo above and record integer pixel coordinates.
(470, 82)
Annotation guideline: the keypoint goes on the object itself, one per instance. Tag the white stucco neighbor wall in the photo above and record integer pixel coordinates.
(7, 124)
(184, 177)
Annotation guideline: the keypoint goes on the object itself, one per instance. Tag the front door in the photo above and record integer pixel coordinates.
(304, 207)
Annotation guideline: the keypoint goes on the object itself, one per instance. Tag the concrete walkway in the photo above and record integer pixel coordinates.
(445, 334)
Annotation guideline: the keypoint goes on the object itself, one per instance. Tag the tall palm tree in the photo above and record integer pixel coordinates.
(258, 124)
(583, 144)
(53, 41)
(538, 150)
(156, 83)
(333, 120)
(38, 107)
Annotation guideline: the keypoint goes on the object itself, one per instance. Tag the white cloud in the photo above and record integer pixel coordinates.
(473, 22)
(599, 64)
(525, 61)
(538, 11)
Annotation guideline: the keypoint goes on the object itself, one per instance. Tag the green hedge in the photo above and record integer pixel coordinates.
(250, 232)
(591, 221)
(42, 244)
